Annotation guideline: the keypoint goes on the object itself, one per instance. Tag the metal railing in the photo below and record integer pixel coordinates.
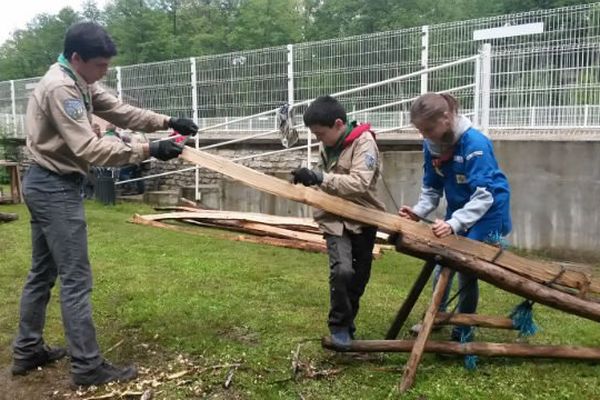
(479, 88)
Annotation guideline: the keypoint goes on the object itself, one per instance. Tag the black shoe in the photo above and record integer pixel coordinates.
(341, 340)
(105, 373)
(45, 356)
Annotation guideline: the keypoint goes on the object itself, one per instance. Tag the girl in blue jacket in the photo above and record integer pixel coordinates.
(459, 163)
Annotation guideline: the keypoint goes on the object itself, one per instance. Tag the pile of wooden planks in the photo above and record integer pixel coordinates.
(290, 232)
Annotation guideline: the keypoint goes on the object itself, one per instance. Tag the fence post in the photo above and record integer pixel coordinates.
(477, 93)
(424, 57)
(291, 99)
(586, 112)
(486, 79)
(14, 107)
(119, 85)
(194, 83)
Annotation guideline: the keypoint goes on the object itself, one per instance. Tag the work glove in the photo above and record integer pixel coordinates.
(184, 126)
(165, 150)
(307, 177)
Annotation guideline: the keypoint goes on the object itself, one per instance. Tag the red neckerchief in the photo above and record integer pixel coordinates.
(356, 133)
(443, 158)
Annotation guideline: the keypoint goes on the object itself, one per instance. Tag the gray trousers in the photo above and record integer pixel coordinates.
(59, 249)
(350, 258)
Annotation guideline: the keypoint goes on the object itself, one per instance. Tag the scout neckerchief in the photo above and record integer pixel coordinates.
(331, 154)
(68, 69)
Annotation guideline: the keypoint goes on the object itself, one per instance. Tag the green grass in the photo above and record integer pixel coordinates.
(219, 301)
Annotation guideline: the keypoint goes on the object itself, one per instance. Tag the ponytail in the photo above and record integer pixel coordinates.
(432, 106)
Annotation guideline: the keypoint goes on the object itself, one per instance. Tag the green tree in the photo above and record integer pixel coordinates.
(32, 50)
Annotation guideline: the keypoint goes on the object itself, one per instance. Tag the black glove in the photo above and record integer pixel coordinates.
(184, 126)
(165, 150)
(307, 177)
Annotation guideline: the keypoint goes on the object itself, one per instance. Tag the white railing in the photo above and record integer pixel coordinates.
(397, 119)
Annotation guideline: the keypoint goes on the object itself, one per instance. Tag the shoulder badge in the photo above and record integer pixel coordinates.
(74, 108)
(370, 161)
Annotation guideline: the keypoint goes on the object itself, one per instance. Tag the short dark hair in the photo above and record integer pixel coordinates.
(89, 40)
(324, 111)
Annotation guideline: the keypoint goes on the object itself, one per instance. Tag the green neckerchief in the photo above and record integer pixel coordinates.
(66, 66)
(331, 154)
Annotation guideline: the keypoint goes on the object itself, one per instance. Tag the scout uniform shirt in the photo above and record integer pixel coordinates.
(59, 117)
(352, 174)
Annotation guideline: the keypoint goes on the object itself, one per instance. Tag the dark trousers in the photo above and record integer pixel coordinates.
(350, 258)
(59, 249)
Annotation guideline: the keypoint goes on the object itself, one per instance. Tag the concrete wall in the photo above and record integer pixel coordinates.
(555, 193)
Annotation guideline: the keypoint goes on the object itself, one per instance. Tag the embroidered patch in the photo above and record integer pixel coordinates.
(370, 161)
(74, 108)
(475, 154)
(461, 179)
(459, 159)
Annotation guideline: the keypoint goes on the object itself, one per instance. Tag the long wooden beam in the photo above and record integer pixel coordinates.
(535, 270)
(477, 348)
(500, 277)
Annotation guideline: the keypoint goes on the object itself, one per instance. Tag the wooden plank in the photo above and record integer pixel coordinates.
(298, 223)
(501, 278)
(476, 348)
(416, 354)
(538, 271)
(266, 230)
(234, 215)
(294, 244)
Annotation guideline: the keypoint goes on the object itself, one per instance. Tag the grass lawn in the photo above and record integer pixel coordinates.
(169, 300)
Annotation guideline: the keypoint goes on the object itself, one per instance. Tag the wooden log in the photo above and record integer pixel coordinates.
(411, 300)
(483, 321)
(8, 217)
(476, 348)
(501, 278)
(416, 354)
(535, 270)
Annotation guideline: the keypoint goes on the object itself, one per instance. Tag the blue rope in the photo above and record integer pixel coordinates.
(522, 319)
(467, 334)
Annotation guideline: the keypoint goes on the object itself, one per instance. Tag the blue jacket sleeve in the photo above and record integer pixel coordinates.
(480, 165)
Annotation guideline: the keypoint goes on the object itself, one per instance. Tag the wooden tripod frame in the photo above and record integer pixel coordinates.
(417, 347)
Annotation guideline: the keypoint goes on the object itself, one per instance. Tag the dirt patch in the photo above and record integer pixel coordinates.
(50, 382)
(167, 377)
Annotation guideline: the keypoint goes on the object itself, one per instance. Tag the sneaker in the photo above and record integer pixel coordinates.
(105, 373)
(416, 329)
(341, 339)
(45, 356)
